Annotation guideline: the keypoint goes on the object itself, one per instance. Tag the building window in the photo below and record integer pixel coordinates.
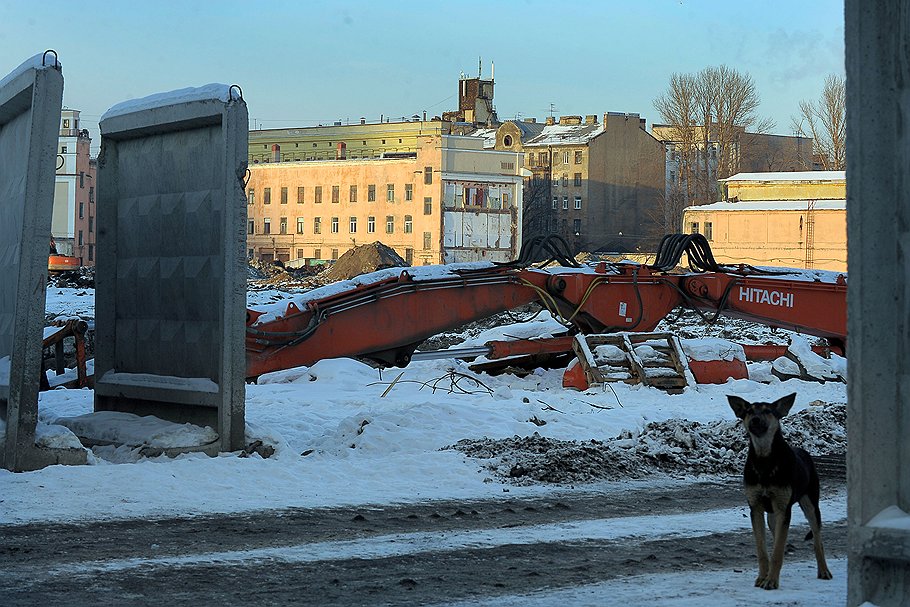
(353, 194)
(428, 175)
(542, 158)
(371, 193)
(336, 193)
(267, 196)
(317, 253)
(284, 195)
(576, 226)
(390, 224)
(408, 224)
(577, 156)
(709, 230)
(266, 226)
(507, 141)
(693, 227)
(672, 176)
(409, 255)
(81, 210)
(300, 222)
(334, 225)
(505, 200)
(428, 206)
(66, 123)
(578, 202)
(250, 197)
(299, 253)
(317, 194)
(371, 224)
(91, 194)
(317, 226)
(565, 157)
(565, 202)
(353, 225)
(251, 226)
(63, 149)
(91, 252)
(81, 179)
(300, 194)
(409, 191)
(555, 202)
(427, 241)
(577, 179)
(390, 192)
(531, 159)
(335, 254)
(91, 224)
(565, 180)
(283, 225)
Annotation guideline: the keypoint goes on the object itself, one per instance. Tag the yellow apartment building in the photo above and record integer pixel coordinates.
(439, 199)
(791, 219)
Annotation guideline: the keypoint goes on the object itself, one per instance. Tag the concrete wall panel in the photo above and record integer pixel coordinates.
(30, 102)
(171, 289)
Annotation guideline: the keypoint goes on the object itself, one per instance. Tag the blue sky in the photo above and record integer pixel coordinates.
(310, 62)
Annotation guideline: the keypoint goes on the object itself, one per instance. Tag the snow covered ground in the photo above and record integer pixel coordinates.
(345, 436)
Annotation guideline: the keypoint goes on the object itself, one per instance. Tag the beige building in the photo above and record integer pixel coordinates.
(439, 199)
(73, 217)
(791, 219)
(597, 184)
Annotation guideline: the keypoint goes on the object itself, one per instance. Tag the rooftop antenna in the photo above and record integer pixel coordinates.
(479, 67)
(552, 109)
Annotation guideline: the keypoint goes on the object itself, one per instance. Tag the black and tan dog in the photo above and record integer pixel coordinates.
(776, 477)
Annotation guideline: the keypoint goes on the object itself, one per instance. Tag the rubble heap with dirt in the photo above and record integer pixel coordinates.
(363, 259)
(674, 447)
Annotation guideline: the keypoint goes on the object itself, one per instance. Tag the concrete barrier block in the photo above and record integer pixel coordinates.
(170, 281)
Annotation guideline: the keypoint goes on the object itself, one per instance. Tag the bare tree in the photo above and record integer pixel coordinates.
(825, 120)
(717, 105)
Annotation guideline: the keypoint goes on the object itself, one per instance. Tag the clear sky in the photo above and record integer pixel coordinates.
(310, 62)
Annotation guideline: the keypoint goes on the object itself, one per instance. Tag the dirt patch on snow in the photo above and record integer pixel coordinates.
(675, 446)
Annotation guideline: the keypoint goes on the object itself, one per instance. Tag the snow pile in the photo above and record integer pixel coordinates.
(115, 427)
(673, 446)
(712, 349)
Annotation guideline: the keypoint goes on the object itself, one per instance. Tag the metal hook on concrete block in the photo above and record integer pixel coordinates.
(231, 91)
(44, 58)
(246, 177)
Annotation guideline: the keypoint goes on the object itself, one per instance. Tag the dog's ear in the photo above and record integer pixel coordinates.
(782, 405)
(740, 406)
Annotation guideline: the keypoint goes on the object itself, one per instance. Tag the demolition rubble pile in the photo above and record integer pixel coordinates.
(80, 278)
(359, 260)
(676, 447)
(362, 260)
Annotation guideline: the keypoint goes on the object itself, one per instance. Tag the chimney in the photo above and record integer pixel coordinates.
(341, 151)
(570, 120)
(276, 152)
(531, 120)
(591, 119)
(551, 121)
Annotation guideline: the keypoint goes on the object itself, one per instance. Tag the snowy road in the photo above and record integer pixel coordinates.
(478, 552)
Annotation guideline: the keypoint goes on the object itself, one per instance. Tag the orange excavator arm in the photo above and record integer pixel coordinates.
(384, 316)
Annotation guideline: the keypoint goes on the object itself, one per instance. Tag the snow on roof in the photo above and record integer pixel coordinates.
(770, 205)
(488, 136)
(566, 134)
(37, 62)
(790, 176)
(214, 91)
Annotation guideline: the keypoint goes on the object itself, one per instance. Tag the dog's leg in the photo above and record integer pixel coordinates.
(771, 524)
(781, 527)
(758, 532)
(811, 511)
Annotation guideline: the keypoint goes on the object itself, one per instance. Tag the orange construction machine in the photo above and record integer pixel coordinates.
(384, 316)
